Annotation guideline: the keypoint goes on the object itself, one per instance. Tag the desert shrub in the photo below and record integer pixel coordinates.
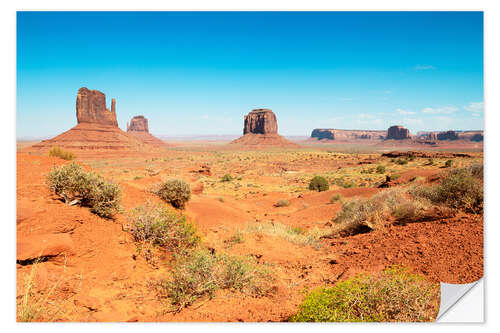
(75, 185)
(401, 161)
(460, 189)
(411, 158)
(430, 161)
(175, 191)
(394, 295)
(348, 184)
(380, 169)
(395, 176)
(448, 163)
(227, 178)
(335, 198)
(61, 153)
(282, 203)
(159, 226)
(202, 273)
(294, 235)
(318, 183)
(363, 215)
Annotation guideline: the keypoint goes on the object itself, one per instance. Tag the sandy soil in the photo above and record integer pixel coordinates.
(98, 276)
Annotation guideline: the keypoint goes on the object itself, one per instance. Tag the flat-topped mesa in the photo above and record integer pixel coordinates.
(398, 133)
(448, 135)
(346, 135)
(260, 121)
(91, 108)
(138, 124)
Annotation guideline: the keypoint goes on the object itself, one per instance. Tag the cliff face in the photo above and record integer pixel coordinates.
(260, 121)
(338, 134)
(91, 108)
(398, 133)
(138, 124)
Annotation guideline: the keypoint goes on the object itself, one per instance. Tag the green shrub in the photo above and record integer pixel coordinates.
(430, 161)
(401, 161)
(395, 295)
(75, 185)
(282, 203)
(157, 225)
(348, 184)
(335, 198)
(319, 184)
(227, 178)
(61, 153)
(459, 189)
(395, 176)
(175, 191)
(448, 163)
(202, 273)
(380, 169)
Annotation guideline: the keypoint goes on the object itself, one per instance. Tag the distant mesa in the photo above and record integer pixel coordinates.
(398, 133)
(139, 128)
(261, 129)
(346, 135)
(474, 136)
(96, 130)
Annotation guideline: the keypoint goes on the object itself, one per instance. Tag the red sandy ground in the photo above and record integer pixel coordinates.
(100, 278)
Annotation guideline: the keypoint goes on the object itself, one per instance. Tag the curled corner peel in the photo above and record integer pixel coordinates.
(451, 294)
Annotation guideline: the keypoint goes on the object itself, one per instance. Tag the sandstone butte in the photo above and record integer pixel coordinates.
(346, 135)
(96, 130)
(139, 128)
(398, 133)
(261, 129)
(474, 136)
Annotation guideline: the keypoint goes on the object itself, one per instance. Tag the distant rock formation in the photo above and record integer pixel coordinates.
(398, 133)
(139, 128)
(261, 129)
(97, 129)
(448, 135)
(339, 134)
(138, 124)
(91, 108)
(261, 121)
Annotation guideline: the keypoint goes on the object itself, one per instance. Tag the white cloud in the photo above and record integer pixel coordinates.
(475, 107)
(424, 67)
(365, 116)
(404, 112)
(442, 110)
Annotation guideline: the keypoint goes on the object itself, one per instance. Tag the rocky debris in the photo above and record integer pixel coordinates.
(261, 121)
(202, 170)
(423, 154)
(89, 302)
(31, 247)
(398, 133)
(448, 135)
(138, 124)
(340, 134)
(91, 108)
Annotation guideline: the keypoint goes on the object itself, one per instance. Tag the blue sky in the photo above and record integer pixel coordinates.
(199, 73)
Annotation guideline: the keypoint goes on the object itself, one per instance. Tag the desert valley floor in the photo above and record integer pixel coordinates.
(92, 269)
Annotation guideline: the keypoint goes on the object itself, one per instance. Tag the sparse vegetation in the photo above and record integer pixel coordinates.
(61, 153)
(227, 178)
(363, 215)
(319, 183)
(282, 203)
(201, 273)
(76, 186)
(395, 295)
(380, 169)
(448, 163)
(335, 198)
(175, 191)
(159, 226)
(294, 235)
(401, 161)
(461, 188)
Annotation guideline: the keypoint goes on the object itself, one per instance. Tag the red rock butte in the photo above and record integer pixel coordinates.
(398, 133)
(139, 128)
(96, 130)
(261, 129)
